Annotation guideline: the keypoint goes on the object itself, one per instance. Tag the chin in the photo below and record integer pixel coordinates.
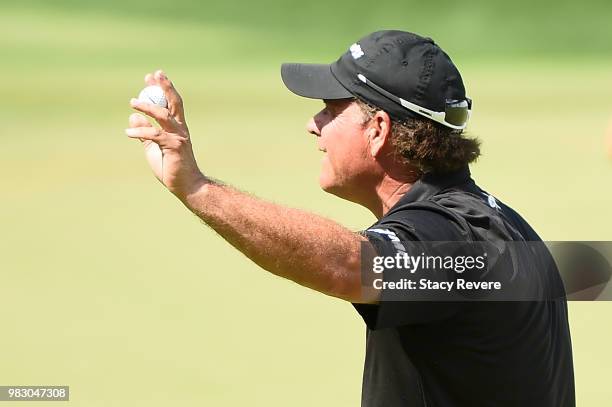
(329, 185)
(326, 185)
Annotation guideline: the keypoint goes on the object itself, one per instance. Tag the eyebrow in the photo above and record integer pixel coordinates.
(337, 107)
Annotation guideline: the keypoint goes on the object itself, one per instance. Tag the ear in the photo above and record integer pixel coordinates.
(378, 133)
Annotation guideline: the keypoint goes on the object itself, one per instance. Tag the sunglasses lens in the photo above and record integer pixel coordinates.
(456, 112)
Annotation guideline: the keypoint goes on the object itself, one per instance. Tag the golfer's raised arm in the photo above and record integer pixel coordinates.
(294, 244)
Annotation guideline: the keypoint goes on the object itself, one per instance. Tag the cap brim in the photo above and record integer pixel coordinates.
(314, 81)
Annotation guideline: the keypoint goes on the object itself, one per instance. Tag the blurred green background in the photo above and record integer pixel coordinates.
(110, 286)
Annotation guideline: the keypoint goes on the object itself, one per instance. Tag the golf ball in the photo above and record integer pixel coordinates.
(153, 94)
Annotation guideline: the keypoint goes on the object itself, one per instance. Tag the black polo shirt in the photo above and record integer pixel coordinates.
(435, 354)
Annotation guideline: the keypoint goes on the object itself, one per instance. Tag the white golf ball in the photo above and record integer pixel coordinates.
(153, 94)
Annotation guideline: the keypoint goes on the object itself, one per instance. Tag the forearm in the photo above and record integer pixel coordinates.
(308, 249)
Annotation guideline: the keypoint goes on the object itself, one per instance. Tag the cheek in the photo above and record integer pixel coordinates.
(346, 155)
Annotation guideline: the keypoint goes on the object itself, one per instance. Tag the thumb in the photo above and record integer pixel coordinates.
(138, 120)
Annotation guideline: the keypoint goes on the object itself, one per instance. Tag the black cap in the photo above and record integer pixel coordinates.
(403, 64)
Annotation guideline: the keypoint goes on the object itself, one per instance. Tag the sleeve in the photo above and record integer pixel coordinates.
(403, 234)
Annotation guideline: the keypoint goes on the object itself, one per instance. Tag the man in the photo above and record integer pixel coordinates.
(391, 132)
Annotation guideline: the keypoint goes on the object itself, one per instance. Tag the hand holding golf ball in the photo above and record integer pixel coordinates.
(167, 147)
(153, 94)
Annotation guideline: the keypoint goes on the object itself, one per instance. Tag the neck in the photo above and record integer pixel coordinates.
(388, 192)
(383, 190)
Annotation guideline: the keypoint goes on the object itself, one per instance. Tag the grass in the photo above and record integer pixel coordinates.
(111, 287)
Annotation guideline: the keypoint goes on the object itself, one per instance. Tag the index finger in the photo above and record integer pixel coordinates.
(175, 102)
(160, 114)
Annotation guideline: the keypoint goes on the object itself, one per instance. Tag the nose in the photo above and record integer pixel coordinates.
(312, 128)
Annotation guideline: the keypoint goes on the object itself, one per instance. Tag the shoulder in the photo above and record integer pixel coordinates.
(423, 221)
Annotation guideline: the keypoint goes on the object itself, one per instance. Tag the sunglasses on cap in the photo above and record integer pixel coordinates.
(455, 115)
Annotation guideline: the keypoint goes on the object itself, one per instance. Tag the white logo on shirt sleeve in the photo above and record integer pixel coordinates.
(492, 201)
(391, 236)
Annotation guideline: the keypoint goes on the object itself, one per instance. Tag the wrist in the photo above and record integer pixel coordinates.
(191, 188)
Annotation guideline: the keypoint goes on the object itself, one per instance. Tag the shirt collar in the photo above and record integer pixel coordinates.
(430, 184)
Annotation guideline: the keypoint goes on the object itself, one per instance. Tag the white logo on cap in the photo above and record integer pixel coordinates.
(356, 51)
